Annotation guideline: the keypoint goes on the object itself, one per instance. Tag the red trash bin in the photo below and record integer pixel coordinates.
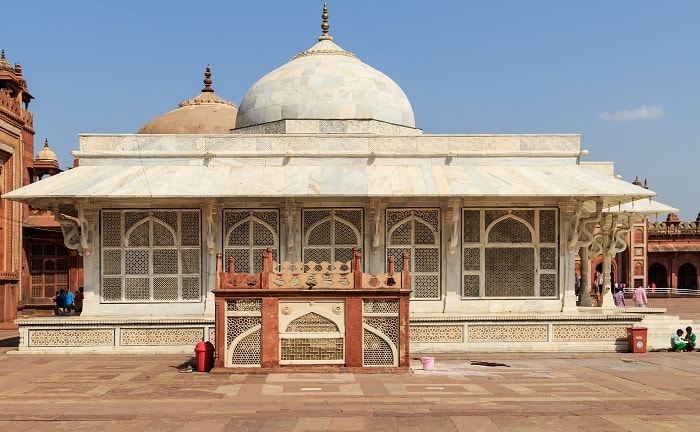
(637, 339)
(204, 356)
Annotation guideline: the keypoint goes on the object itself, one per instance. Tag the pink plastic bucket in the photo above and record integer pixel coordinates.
(428, 363)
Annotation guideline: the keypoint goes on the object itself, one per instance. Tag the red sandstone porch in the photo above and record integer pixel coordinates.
(312, 315)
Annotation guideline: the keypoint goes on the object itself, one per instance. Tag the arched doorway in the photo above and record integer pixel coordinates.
(658, 275)
(687, 277)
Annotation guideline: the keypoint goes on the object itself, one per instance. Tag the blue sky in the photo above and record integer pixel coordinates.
(624, 74)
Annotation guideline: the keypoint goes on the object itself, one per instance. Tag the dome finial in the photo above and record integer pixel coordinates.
(46, 154)
(207, 81)
(325, 26)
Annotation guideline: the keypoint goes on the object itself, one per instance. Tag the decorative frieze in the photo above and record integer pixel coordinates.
(162, 336)
(437, 333)
(507, 333)
(70, 337)
(590, 332)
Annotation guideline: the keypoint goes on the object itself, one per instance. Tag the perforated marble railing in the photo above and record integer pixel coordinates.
(312, 275)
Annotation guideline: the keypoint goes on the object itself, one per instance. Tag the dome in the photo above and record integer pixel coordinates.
(205, 114)
(4, 64)
(325, 83)
(46, 154)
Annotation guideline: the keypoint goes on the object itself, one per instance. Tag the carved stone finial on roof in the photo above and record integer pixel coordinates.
(325, 26)
(636, 181)
(2, 56)
(207, 80)
(18, 69)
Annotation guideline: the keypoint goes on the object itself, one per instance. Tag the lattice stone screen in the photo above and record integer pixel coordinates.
(151, 255)
(380, 333)
(243, 332)
(312, 332)
(247, 234)
(330, 234)
(416, 231)
(509, 253)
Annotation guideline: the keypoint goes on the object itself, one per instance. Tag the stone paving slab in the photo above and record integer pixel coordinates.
(656, 391)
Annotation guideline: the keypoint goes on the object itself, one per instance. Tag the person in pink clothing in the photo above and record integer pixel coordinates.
(640, 296)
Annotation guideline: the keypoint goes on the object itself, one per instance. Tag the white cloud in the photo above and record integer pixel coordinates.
(643, 112)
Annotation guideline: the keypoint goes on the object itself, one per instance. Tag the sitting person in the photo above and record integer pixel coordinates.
(677, 343)
(690, 339)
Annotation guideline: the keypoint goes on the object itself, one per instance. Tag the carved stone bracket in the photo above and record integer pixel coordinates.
(85, 217)
(596, 246)
(70, 229)
(619, 233)
(581, 233)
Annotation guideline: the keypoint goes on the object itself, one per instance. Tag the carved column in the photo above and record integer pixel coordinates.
(585, 277)
(570, 216)
(607, 230)
(616, 243)
(580, 237)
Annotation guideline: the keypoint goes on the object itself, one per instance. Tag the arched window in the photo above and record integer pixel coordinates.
(331, 234)
(509, 253)
(416, 231)
(151, 255)
(247, 234)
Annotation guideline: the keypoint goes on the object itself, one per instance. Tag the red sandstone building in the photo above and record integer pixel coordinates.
(34, 261)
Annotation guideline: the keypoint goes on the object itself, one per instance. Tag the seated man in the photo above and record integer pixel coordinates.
(676, 343)
(690, 339)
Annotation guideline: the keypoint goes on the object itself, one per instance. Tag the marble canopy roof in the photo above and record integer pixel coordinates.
(521, 168)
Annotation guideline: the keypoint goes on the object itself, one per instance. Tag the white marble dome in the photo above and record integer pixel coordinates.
(325, 83)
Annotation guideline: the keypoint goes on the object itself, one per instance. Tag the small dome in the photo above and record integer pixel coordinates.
(205, 114)
(46, 154)
(325, 83)
(4, 64)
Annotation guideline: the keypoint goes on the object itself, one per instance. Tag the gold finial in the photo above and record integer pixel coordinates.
(207, 80)
(325, 26)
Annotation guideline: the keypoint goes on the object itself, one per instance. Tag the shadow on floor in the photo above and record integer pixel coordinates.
(11, 342)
